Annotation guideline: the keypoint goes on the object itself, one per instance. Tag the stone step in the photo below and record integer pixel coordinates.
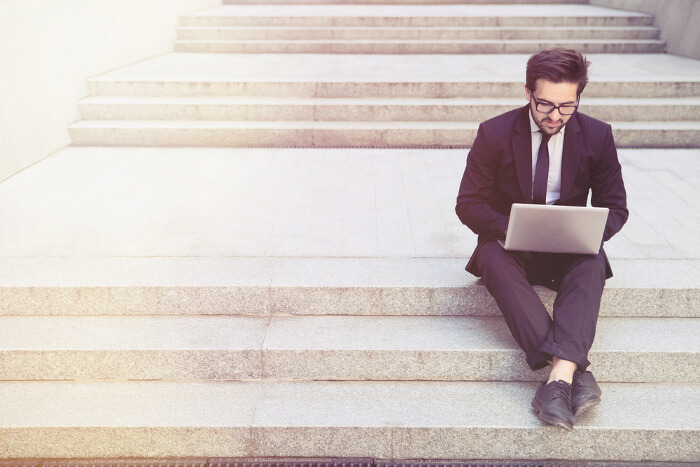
(390, 420)
(396, 89)
(417, 33)
(270, 286)
(333, 134)
(400, 2)
(366, 109)
(417, 47)
(379, 348)
(386, 76)
(291, 203)
(414, 16)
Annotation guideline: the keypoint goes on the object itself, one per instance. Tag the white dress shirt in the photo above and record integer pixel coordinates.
(556, 147)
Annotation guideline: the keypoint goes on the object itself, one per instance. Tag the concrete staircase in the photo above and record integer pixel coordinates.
(384, 75)
(179, 300)
(411, 29)
(331, 100)
(394, 358)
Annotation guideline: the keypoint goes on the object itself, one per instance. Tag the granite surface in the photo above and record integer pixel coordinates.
(389, 420)
(324, 348)
(366, 109)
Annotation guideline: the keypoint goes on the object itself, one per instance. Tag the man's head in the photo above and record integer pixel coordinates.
(554, 78)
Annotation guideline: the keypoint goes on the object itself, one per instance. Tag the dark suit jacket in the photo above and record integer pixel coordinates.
(499, 173)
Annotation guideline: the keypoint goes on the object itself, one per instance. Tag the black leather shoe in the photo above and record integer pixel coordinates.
(552, 404)
(585, 392)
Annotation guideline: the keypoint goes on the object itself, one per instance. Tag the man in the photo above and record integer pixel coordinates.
(545, 152)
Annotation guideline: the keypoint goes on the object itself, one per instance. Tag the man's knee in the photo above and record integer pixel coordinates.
(591, 264)
(492, 257)
(586, 269)
(497, 266)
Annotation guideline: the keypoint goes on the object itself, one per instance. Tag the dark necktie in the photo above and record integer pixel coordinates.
(539, 187)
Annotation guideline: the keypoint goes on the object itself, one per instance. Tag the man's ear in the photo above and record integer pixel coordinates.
(527, 93)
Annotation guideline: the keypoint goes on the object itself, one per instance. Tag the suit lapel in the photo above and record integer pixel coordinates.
(571, 156)
(522, 153)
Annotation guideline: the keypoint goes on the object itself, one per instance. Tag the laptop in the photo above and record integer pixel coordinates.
(555, 229)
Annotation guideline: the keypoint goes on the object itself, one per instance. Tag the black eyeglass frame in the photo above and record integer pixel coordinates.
(556, 107)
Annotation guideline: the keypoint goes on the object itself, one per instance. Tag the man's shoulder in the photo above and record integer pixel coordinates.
(501, 127)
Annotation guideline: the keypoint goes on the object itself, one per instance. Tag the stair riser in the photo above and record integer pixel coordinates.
(124, 442)
(416, 34)
(264, 301)
(454, 444)
(380, 137)
(379, 113)
(388, 90)
(357, 441)
(506, 365)
(330, 365)
(408, 48)
(417, 21)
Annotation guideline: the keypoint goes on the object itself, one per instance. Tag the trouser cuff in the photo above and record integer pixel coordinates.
(538, 360)
(557, 350)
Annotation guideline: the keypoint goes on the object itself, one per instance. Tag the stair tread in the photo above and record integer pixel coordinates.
(425, 41)
(165, 213)
(362, 68)
(396, 418)
(302, 125)
(402, 2)
(411, 28)
(414, 10)
(448, 404)
(379, 419)
(309, 272)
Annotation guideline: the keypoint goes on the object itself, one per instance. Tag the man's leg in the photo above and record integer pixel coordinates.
(506, 279)
(580, 280)
(562, 370)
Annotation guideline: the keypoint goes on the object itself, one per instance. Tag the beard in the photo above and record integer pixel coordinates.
(545, 122)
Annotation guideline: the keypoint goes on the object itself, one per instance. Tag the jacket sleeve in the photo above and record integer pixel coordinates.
(607, 187)
(477, 190)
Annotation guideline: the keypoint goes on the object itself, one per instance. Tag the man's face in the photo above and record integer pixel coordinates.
(547, 92)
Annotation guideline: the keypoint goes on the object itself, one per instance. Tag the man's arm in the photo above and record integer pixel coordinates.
(476, 191)
(607, 187)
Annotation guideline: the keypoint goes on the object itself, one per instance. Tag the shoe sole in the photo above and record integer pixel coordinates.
(583, 407)
(550, 420)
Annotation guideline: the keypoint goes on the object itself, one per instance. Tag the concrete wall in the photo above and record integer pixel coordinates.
(679, 21)
(48, 49)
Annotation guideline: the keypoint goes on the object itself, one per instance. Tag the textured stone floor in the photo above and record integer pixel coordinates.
(112, 202)
(392, 68)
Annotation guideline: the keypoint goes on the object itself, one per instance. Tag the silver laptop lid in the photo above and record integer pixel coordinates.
(555, 229)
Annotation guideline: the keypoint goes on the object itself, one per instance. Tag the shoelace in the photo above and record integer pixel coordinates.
(562, 391)
(578, 379)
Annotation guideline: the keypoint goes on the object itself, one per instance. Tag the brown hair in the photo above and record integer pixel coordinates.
(557, 65)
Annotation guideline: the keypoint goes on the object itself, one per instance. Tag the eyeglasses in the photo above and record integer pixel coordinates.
(547, 108)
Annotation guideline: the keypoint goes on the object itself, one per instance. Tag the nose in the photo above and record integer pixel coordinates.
(554, 114)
